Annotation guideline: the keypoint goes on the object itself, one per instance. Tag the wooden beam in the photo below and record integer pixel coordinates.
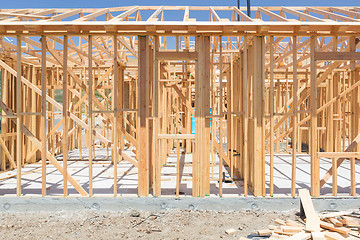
(43, 116)
(91, 116)
(184, 56)
(221, 122)
(123, 15)
(19, 143)
(186, 14)
(346, 12)
(331, 15)
(302, 15)
(214, 14)
(154, 16)
(141, 133)
(337, 56)
(243, 15)
(258, 118)
(271, 102)
(156, 122)
(315, 165)
(21, 16)
(245, 94)
(115, 157)
(202, 124)
(93, 15)
(295, 117)
(65, 146)
(64, 15)
(272, 15)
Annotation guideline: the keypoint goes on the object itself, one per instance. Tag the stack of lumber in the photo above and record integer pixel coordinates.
(332, 225)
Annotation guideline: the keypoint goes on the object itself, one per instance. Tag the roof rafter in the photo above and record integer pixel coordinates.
(302, 15)
(332, 15)
(64, 15)
(154, 16)
(124, 14)
(93, 15)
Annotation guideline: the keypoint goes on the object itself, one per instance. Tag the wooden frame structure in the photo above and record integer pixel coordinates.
(286, 80)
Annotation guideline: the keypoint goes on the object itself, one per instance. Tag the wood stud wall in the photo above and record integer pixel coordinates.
(252, 96)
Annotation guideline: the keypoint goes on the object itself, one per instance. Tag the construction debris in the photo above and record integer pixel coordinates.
(332, 225)
(230, 231)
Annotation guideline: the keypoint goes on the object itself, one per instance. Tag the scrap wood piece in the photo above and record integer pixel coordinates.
(293, 223)
(331, 227)
(349, 221)
(272, 227)
(300, 236)
(277, 237)
(265, 232)
(230, 231)
(336, 222)
(355, 214)
(279, 231)
(280, 222)
(334, 214)
(306, 205)
(291, 229)
(317, 235)
(333, 236)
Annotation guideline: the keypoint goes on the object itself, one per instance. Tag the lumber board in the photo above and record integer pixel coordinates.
(19, 135)
(300, 236)
(331, 227)
(43, 116)
(337, 56)
(185, 56)
(334, 236)
(317, 235)
(334, 214)
(312, 219)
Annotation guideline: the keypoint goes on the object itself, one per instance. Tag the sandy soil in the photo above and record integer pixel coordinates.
(169, 224)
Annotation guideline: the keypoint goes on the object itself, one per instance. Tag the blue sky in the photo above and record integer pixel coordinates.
(113, 3)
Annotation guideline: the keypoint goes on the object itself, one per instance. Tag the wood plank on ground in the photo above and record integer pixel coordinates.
(312, 219)
(300, 236)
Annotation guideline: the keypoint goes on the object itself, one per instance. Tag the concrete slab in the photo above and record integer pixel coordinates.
(128, 177)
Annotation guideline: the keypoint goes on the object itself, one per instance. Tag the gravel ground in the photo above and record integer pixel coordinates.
(132, 224)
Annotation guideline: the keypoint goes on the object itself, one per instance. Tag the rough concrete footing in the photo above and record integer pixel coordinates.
(21, 204)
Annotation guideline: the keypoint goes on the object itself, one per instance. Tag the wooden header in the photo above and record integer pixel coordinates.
(185, 56)
(129, 21)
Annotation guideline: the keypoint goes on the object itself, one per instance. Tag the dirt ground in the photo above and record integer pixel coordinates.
(132, 224)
